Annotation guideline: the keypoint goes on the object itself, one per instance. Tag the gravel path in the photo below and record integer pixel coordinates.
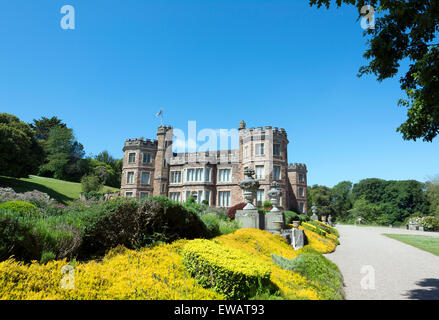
(401, 271)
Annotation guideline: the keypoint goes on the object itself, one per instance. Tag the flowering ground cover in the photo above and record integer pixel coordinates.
(169, 271)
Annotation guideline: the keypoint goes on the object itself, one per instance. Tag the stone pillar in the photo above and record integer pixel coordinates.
(275, 219)
(297, 238)
(330, 221)
(314, 216)
(164, 153)
(249, 217)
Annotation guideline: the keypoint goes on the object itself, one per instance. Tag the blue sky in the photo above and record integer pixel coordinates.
(278, 63)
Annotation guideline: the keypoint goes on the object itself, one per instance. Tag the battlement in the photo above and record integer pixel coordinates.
(278, 134)
(148, 143)
(169, 171)
(297, 167)
(163, 129)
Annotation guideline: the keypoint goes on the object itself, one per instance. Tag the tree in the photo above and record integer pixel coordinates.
(364, 209)
(321, 197)
(341, 199)
(405, 30)
(432, 190)
(105, 157)
(61, 148)
(370, 189)
(396, 199)
(43, 126)
(110, 167)
(91, 183)
(20, 153)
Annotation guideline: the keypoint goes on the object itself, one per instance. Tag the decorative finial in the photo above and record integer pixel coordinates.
(274, 194)
(249, 185)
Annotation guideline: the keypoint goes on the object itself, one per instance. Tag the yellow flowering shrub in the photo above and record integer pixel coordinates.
(227, 270)
(262, 244)
(332, 236)
(321, 231)
(258, 243)
(318, 242)
(165, 271)
(293, 286)
(330, 229)
(151, 273)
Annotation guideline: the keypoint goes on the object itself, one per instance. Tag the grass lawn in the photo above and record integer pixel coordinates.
(429, 244)
(61, 191)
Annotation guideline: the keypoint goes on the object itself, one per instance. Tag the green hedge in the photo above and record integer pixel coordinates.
(315, 267)
(20, 207)
(28, 238)
(325, 227)
(291, 216)
(226, 270)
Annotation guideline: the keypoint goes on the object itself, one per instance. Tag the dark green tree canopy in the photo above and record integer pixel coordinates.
(321, 197)
(20, 153)
(105, 157)
(432, 190)
(341, 198)
(398, 199)
(43, 126)
(405, 30)
(62, 151)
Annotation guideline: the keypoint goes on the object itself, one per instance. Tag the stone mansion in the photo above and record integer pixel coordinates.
(151, 168)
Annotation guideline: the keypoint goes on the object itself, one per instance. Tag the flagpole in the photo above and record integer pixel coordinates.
(160, 114)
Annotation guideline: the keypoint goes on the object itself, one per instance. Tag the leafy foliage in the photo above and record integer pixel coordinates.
(315, 267)
(341, 200)
(318, 239)
(91, 183)
(155, 273)
(263, 245)
(430, 223)
(232, 210)
(43, 126)
(432, 190)
(159, 273)
(30, 238)
(20, 153)
(291, 216)
(387, 202)
(62, 149)
(227, 270)
(321, 197)
(20, 207)
(405, 30)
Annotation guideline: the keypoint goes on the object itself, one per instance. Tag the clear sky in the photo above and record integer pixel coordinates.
(278, 63)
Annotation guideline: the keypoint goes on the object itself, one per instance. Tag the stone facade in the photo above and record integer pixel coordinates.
(150, 169)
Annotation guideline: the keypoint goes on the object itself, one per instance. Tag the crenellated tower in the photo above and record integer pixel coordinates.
(138, 167)
(163, 155)
(297, 175)
(265, 150)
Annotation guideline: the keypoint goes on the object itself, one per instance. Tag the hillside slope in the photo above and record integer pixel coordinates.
(61, 191)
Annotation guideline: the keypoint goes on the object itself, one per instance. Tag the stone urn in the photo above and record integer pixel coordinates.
(278, 226)
(296, 224)
(274, 194)
(249, 186)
